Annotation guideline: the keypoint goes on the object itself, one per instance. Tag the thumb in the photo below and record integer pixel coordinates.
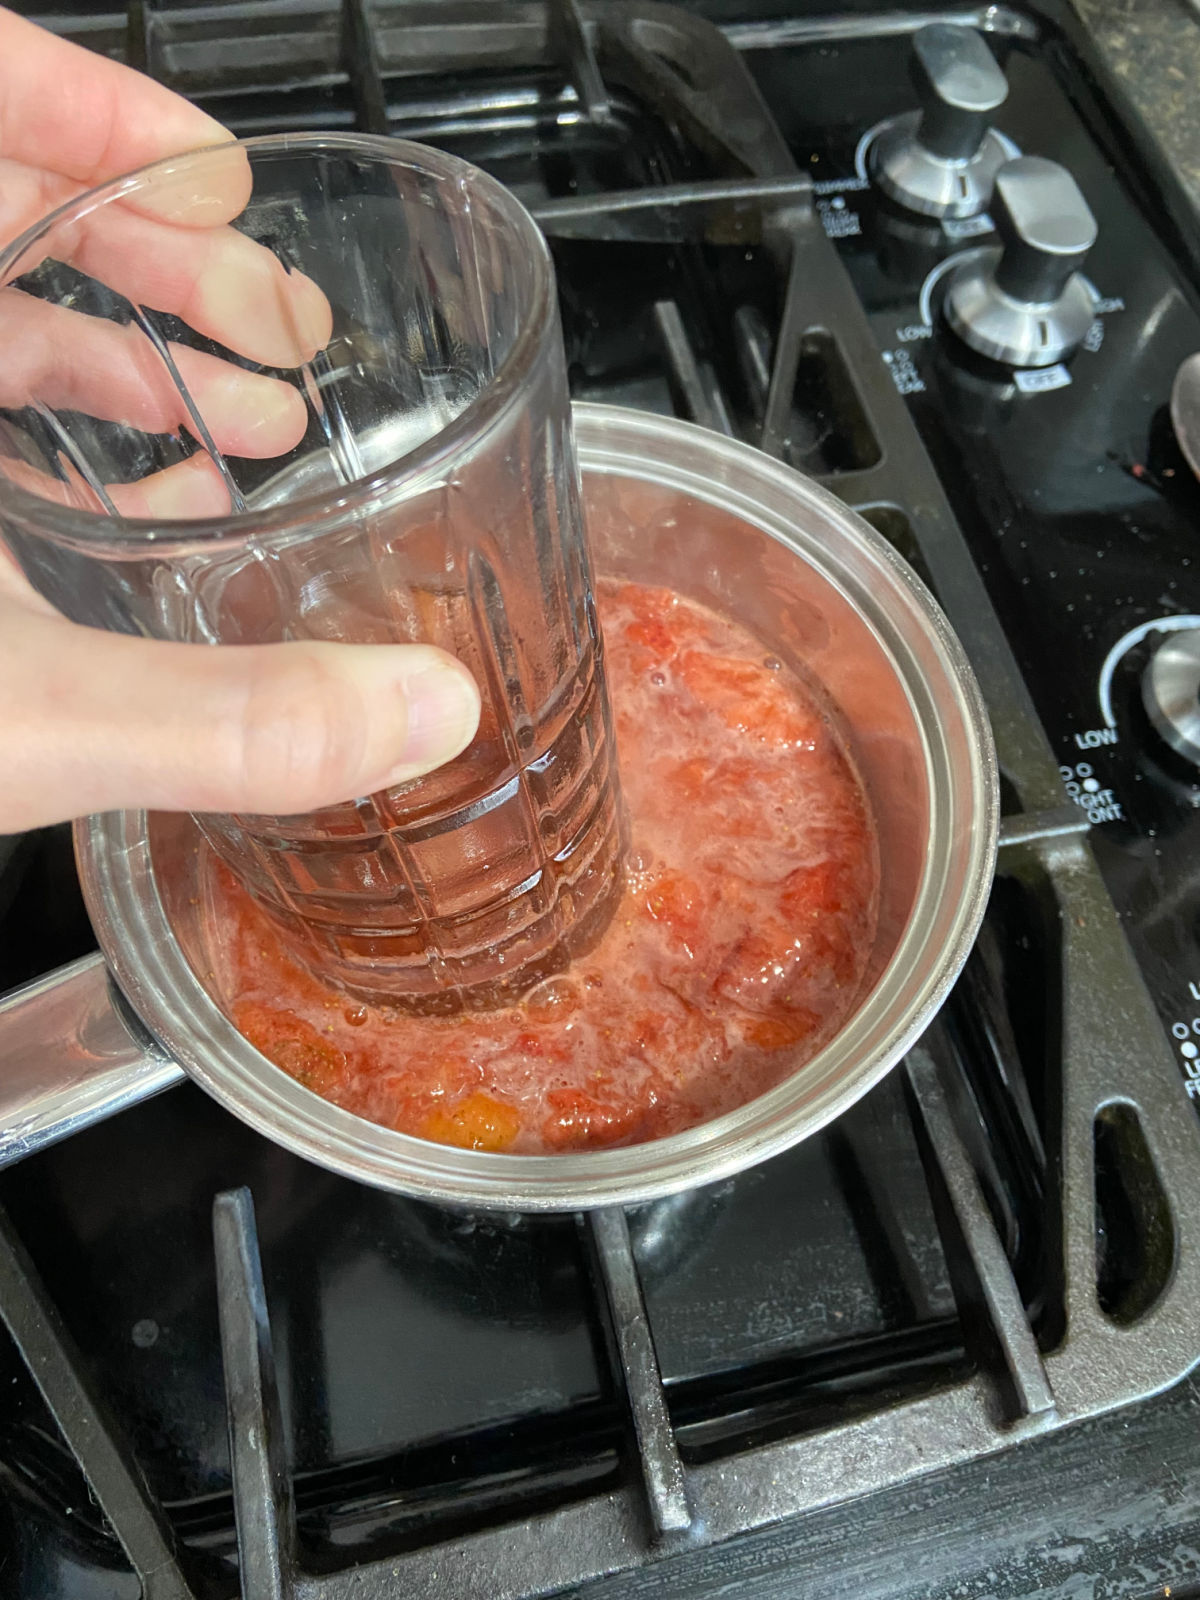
(94, 721)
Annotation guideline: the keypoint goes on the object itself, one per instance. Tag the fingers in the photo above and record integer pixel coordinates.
(70, 111)
(27, 194)
(69, 119)
(193, 191)
(97, 721)
(15, 586)
(196, 192)
(73, 362)
(192, 488)
(188, 489)
(221, 283)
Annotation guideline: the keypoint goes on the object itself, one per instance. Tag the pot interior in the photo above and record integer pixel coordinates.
(659, 534)
(667, 504)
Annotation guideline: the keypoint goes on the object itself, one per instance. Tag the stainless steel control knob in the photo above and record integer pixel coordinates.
(942, 160)
(1028, 304)
(1171, 692)
(1185, 410)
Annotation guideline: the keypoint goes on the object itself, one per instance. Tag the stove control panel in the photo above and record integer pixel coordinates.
(1028, 304)
(1047, 347)
(942, 161)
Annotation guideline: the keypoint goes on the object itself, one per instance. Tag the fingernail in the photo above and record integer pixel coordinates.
(313, 315)
(443, 714)
(205, 189)
(191, 488)
(247, 301)
(255, 416)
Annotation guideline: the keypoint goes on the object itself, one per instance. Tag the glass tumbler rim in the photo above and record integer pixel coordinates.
(72, 524)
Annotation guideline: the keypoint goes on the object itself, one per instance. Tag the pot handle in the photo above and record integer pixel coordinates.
(71, 1054)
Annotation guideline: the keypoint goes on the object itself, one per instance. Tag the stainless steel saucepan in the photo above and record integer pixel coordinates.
(667, 503)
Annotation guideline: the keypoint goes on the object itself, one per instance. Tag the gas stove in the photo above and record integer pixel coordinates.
(941, 273)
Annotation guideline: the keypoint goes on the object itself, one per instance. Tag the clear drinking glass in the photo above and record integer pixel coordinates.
(433, 498)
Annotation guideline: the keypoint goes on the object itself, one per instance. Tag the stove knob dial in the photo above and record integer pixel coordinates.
(943, 159)
(1028, 304)
(1185, 410)
(1171, 692)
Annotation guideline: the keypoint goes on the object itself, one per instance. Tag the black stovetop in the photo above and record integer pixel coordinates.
(443, 1374)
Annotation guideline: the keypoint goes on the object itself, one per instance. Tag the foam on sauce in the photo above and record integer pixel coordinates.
(736, 951)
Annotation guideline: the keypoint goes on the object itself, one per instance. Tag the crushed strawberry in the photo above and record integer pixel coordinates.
(293, 1044)
(735, 952)
(476, 1123)
(750, 699)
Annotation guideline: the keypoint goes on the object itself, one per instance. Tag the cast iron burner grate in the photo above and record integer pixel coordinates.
(1062, 1169)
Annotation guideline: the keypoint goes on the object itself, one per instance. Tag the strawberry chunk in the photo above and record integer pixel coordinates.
(655, 622)
(750, 699)
(678, 903)
(781, 1031)
(579, 1121)
(812, 893)
(293, 1044)
(478, 1122)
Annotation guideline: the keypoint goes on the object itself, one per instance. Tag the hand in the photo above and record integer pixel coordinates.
(96, 721)
(70, 120)
(93, 721)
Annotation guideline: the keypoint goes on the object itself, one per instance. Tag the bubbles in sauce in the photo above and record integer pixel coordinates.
(736, 951)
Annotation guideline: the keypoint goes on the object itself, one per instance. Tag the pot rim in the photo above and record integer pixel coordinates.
(150, 966)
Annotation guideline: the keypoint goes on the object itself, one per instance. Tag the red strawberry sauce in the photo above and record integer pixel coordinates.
(736, 951)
